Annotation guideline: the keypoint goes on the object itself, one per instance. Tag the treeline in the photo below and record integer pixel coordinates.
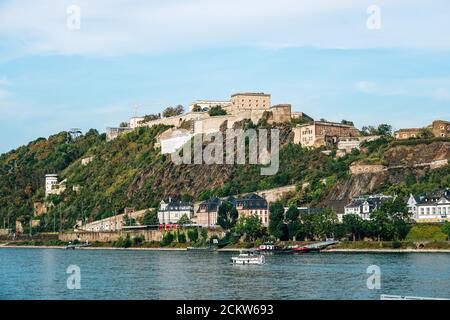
(390, 222)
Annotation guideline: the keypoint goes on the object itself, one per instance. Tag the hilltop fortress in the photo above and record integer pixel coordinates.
(252, 106)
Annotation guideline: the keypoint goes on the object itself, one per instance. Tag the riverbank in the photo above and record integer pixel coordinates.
(334, 249)
(387, 250)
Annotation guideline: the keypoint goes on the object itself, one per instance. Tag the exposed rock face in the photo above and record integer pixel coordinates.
(416, 154)
(402, 158)
(172, 180)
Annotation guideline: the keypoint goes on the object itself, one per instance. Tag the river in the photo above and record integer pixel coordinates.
(119, 274)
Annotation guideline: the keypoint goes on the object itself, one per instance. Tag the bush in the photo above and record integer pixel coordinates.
(217, 111)
(181, 237)
(127, 241)
(138, 240)
(167, 239)
(396, 244)
(193, 235)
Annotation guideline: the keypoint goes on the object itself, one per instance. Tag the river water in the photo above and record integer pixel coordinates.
(119, 274)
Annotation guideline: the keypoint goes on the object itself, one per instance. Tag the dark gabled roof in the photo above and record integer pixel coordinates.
(211, 204)
(252, 201)
(173, 204)
(310, 210)
(252, 196)
(434, 197)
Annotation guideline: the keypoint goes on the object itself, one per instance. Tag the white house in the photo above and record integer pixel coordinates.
(434, 207)
(53, 186)
(172, 210)
(364, 205)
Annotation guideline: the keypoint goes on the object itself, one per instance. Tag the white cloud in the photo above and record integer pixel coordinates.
(116, 27)
(432, 88)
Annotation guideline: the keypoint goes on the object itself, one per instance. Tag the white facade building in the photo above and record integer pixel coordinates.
(51, 182)
(172, 210)
(363, 206)
(434, 207)
(135, 122)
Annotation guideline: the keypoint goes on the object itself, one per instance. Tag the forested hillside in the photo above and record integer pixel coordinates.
(130, 172)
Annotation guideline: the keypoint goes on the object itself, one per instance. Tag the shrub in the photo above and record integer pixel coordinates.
(167, 239)
(193, 235)
(216, 111)
(396, 244)
(181, 237)
(138, 240)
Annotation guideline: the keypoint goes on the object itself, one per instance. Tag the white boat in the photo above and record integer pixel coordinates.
(248, 258)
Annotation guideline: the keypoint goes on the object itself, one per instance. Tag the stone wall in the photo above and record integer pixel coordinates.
(275, 194)
(149, 235)
(367, 168)
(281, 113)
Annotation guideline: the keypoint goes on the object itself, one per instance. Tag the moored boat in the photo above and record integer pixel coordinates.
(202, 249)
(249, 258)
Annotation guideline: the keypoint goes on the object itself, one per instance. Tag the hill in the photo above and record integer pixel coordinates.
(130, 172)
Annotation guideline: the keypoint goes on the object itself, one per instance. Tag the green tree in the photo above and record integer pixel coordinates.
(150, 218)
(216, 111)
(277, 227)
(446, 229)
(227, 215)
(380, 225)
(384, 130)
(353, 224)
(196, 108)
(325, 223)
(293, 222)
(127, 242)
(425, 133)
(204, 234)
(250, 227)
(181, 237)
(193, 234)
(347, 122)
(128, 221)
(167, 239)
(184, 220)
(170, 112)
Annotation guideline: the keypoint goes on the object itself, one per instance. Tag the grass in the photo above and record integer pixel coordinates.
(426, 232)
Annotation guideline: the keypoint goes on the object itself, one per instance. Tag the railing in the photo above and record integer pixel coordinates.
(397, 297)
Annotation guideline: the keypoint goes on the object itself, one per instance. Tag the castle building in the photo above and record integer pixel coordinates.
(135, 122)
(249, 101)
(321, 133)
(407, 133)
(439, 128)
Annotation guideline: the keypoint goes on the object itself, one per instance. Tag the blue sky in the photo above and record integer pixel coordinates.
(321, 58)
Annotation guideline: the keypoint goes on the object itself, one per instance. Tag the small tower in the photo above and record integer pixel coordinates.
(50, 181)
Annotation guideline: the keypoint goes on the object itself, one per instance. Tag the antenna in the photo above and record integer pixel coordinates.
(135, 110)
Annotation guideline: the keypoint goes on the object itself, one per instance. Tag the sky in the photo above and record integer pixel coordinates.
(88, 64)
